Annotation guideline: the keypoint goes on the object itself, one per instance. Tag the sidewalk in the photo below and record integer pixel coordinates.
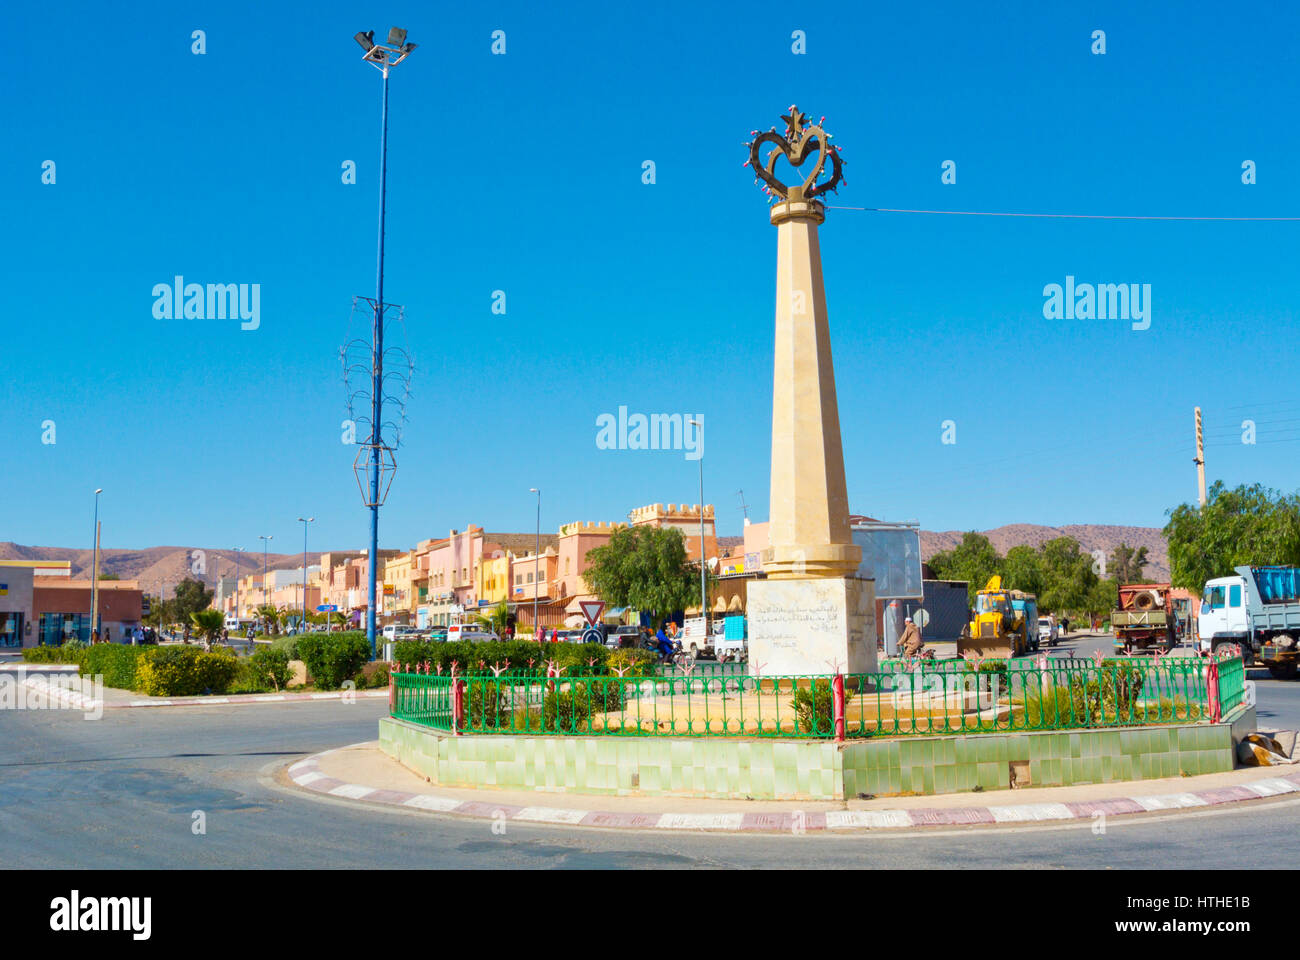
(363, 772)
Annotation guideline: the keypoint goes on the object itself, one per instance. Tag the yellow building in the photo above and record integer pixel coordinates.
(492, 579)
(400, 574)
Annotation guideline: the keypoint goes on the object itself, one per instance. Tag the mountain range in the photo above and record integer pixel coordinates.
(167, 566)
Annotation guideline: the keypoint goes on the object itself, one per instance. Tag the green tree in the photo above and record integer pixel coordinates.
(109, 576)
(1068, 577)
(191, 596)
(644, 568)
(973, 560)
(1250, 524)
(1126, 563)
(497, 620)
(208, 624)
(1102, 598)
(270, 618)
(1022, 569)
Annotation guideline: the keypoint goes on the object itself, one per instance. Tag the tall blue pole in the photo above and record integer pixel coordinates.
(377, 380)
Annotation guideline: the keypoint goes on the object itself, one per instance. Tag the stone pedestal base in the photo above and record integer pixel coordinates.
(806, 626)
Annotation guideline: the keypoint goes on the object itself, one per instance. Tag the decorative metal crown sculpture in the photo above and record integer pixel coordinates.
(801, 141)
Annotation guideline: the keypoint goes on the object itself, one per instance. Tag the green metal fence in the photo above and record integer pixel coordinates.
(919, 698)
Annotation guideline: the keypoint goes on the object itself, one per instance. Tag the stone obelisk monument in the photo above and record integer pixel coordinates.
(812, 612)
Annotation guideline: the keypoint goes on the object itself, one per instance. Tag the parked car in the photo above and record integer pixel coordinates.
(695, 638)
(622, 637)
(1048, 630)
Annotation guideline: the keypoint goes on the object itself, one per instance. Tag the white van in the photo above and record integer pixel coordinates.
(470, 631)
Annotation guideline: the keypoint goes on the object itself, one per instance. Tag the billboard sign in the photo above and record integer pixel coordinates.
(891, 555)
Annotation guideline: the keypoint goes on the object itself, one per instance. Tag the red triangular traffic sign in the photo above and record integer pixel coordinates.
(592, 609)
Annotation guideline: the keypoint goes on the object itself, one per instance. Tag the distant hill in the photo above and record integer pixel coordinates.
(173, 564)
(170, 565)
(1090, 536)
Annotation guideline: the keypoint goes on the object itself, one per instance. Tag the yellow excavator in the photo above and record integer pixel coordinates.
(1002, 623)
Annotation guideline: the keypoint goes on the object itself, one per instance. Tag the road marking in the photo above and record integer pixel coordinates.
(1271, 788)
(306, 778)
(701, 821)
(1170, 801)
(1023, 812)
(550, 815)
(427, 801)
(841, 819)
(353, 790)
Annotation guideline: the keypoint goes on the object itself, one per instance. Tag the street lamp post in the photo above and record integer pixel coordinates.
(237, 549)
(381, 57)
(704, 600)
(537, 550)
(94, 574)
(304, 521)
(266, 542)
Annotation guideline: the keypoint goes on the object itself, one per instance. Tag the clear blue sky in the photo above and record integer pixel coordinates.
(522, 173)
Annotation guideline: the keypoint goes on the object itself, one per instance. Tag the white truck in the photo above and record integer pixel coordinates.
(695, 637)
(1258, 610)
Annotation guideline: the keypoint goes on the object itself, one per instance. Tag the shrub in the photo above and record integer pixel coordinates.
(288, 645)
(565, 711)
(333, 658)
(814, 708)
(249, 680)
(606, 694)
(70, 652)
(487, 709)
(271, 666)
(185, 671)
(378, 677)
(118, 663)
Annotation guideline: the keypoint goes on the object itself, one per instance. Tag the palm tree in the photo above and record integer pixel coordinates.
(208, 623)
(497, 620)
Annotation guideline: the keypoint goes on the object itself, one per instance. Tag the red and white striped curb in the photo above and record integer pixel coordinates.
(307, 774)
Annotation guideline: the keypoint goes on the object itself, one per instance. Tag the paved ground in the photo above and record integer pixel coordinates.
(122, 791)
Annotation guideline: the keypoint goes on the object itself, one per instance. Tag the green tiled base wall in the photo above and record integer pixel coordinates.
(807, 770)
(760, 769)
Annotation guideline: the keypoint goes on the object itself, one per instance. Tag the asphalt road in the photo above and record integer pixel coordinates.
(121, 792)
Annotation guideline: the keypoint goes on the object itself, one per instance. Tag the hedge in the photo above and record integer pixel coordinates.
(575, 659)
(334, 658)
(185, 671)
(119, 663)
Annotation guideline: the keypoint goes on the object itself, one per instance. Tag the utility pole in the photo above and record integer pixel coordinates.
(537, 549)
(94, 575)
(1200, 458)
(744, 507)
(382, 57)
(704, 598)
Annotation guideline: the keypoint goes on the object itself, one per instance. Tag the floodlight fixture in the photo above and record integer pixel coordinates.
(366, 38)
(396, 36)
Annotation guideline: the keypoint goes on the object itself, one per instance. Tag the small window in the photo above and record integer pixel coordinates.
(1234, 595)
(1214, 597)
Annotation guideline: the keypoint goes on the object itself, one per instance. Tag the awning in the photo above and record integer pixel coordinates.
(735, 606)
(720, 606)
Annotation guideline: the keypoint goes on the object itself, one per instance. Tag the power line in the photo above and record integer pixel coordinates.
(1059, 216)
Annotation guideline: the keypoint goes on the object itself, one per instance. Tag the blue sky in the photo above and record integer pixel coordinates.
(522, 173)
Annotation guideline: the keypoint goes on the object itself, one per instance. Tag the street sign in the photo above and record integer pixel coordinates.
(921, 618)
(327, 608)
(592, 609)
(592, 635)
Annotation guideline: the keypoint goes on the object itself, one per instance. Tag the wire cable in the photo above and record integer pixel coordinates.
(1061, 216)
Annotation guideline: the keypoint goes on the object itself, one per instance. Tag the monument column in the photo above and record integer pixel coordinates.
(811, 612)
